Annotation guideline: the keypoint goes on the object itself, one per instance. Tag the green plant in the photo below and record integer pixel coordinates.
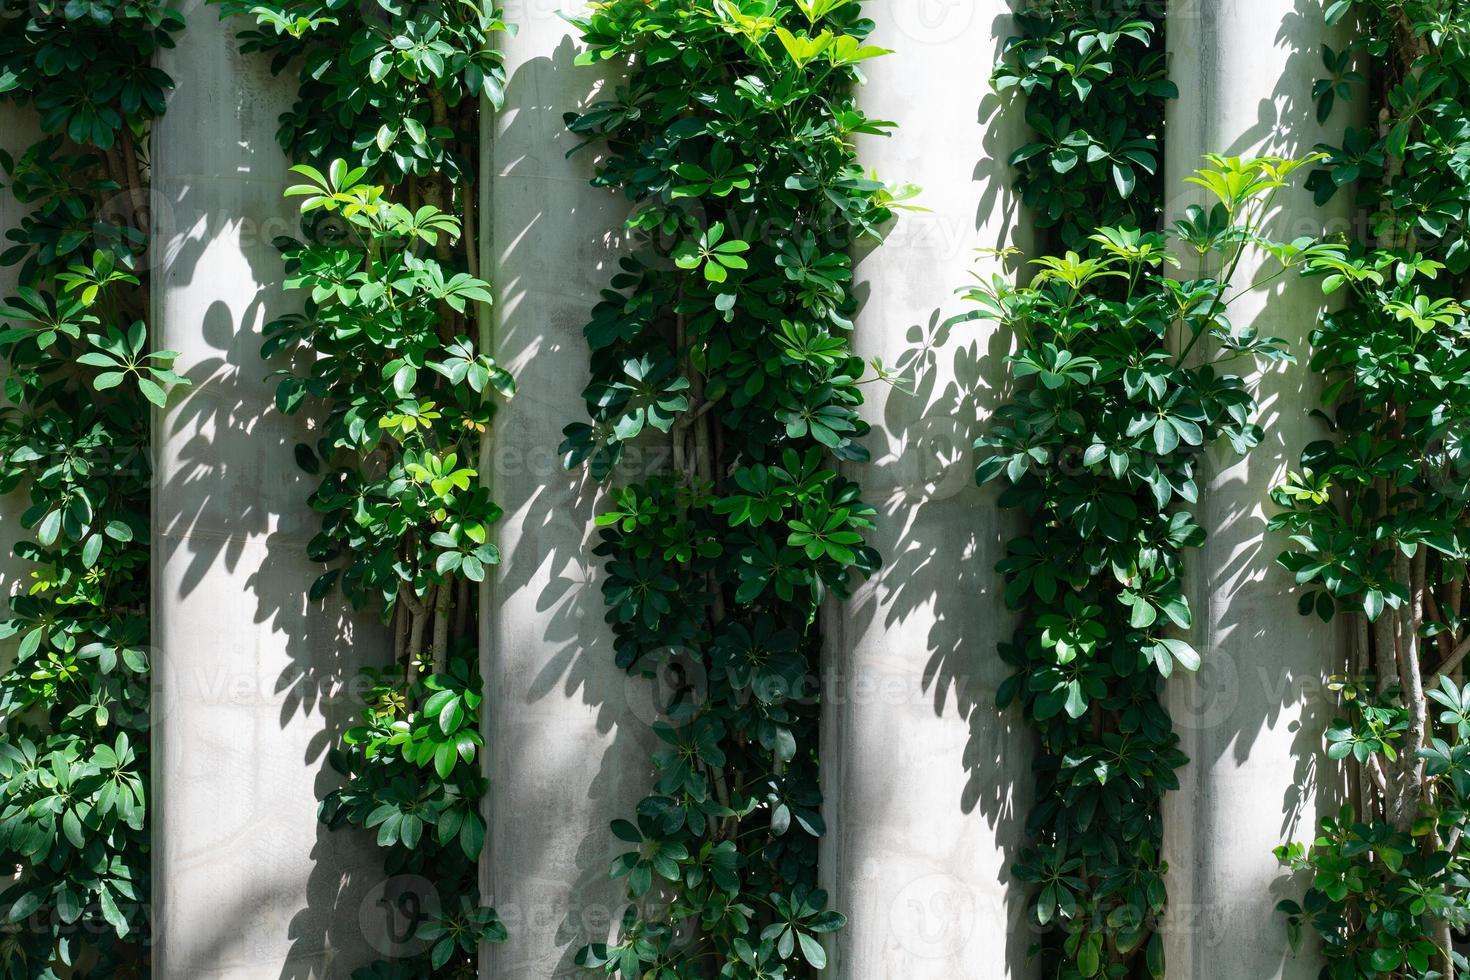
(405, 523)
(1094, 81)
(395, 87)
(726, 333)
(79, 379)
(1378, 511)
(397, 91)
(1124, 380)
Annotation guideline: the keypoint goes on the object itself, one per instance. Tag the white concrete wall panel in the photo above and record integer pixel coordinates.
(927, 786)
(1252, 719)
(250, 677)
(565, 752)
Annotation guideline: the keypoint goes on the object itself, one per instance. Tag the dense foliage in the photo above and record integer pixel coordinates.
(1124, 373)
(405, 524)
(394, 87)
(392, 338)
(1378, 512)
(79, 378)
(727, 332)
(1094, 80)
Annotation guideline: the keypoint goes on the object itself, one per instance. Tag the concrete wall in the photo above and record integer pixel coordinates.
(248, 674)
(1252, 719)
(926, 785)
(18, 130)
(565, 754)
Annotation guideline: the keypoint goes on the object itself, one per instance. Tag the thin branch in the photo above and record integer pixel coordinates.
(1452, 661)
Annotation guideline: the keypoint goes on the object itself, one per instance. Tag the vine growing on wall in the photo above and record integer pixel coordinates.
(79, 377)
(726, 331)
(405, 526)
(1095, 574)
(394, 355)
(1125, 378)
(1379, 512)
(1094, 81)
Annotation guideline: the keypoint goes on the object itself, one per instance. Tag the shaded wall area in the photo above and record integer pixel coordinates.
(926, 785)
(250, 678)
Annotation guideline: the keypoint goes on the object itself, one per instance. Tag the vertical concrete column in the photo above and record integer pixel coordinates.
(564, 754)
(18, 130)
(926, 784)
(1252, 719)
(249, 675)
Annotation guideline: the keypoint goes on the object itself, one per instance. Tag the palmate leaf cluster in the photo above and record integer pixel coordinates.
(725, 333)
(86, 69)
(394, 86)
(405, 523)
(1126, 378)
(391, 334)
(79, 379)
(1377, 512)
(1094, 637)
(1093, 78)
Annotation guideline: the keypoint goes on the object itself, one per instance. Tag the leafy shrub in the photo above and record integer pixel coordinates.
(726, 331)
(1094, 79)
(405, 523)
(1378, 511)
(1125, 379)
(396, 89)
(80, 377)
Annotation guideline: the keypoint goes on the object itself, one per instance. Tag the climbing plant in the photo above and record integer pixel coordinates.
(394, 352)
(1124, 375)
(79, 379)
(726, 334)
(405, 524)
(1379, 512)
(394, 87)
(1093, 80)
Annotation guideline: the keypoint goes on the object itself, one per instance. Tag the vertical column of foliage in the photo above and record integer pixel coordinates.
(1093, 75)
(1378, 511)
(78, 380)
(1101, 451)
(727, 329)
(388, 349)
(1099, 454)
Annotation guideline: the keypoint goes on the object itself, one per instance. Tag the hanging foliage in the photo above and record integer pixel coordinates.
(726, 332)
(79, 379)
(1379, 512)
(1094, 81)
(405, 526)
(1125, 378)
(1097, 497)
(395, 360)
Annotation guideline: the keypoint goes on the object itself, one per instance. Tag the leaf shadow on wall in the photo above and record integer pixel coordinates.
(231, 511)
(940, 536)
(1260, 694)
(548, 656)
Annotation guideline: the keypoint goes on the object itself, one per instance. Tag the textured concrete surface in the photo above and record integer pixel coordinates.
(926, 784)
(248, 675)
(18, 130)
(1252, 719)
(566, 754)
